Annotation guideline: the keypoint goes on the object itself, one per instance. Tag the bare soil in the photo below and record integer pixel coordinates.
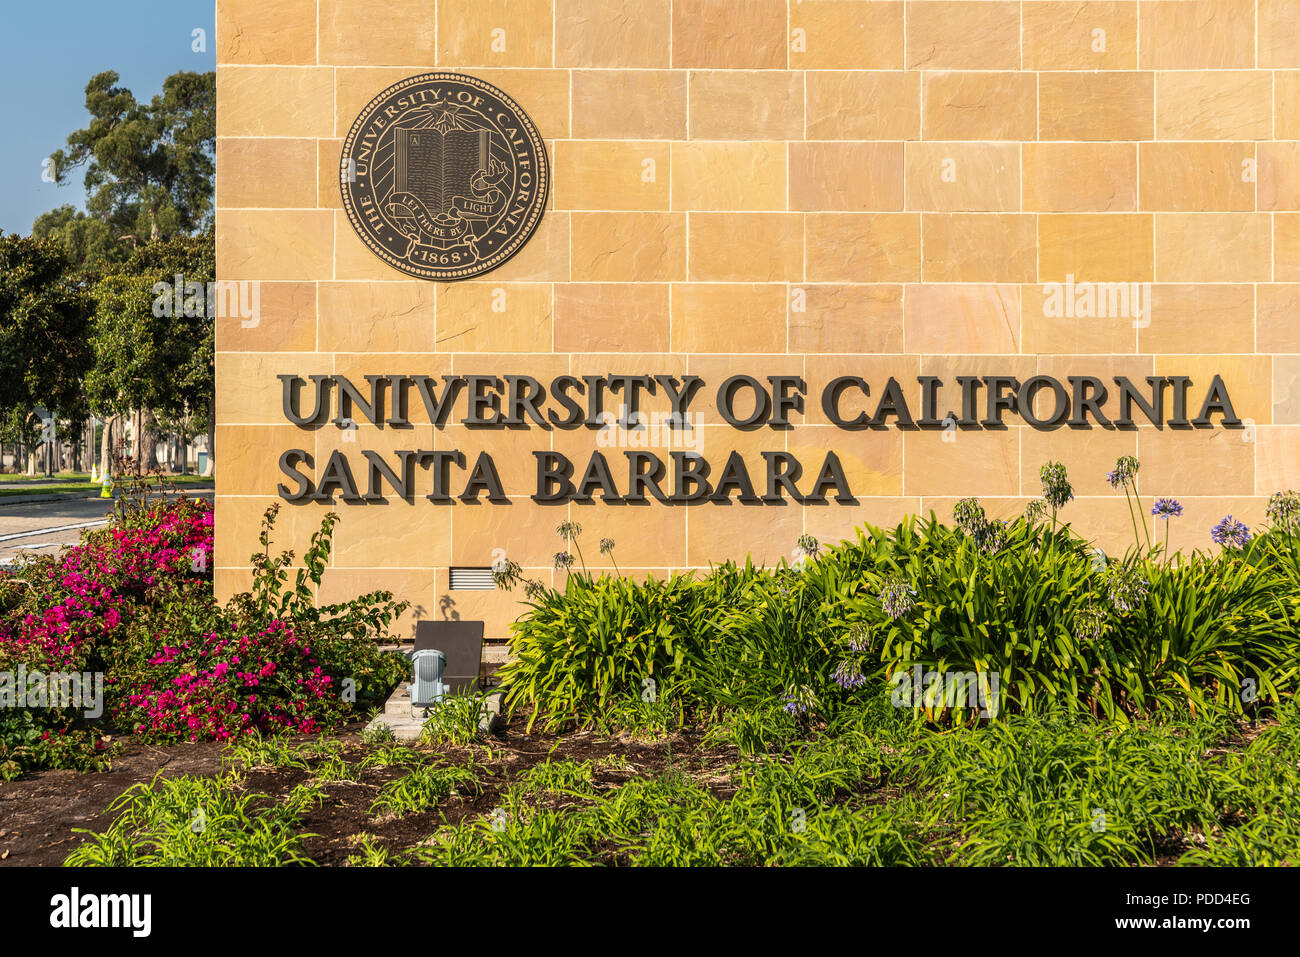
(39, 812)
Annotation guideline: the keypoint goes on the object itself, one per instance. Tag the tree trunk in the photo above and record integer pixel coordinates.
(148, 441)
(212, 439)
(106, 446)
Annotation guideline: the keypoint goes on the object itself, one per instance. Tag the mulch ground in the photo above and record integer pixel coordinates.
(39, 812)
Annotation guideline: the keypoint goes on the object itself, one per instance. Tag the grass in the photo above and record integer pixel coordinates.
(880, 789)
(423, 788)
(455, 720)
(81, 485)
(194, 822)
(54, 488)
(1130, 710)
(874, 785)
(40, 476)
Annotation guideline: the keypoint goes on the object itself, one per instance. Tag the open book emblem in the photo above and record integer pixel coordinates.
(443, 176)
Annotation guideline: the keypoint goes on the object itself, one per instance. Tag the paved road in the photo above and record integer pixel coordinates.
(42, 527)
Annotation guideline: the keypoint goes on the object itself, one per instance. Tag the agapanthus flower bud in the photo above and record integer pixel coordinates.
(1089, 623)
(808, 545)
(1284, 509)
(1126, 469)
(858, 638)
(968, 515)
(1056, 487)
(897, 597)
(506, 573)
(1035, 512)
(1126, 588)
(992, 536)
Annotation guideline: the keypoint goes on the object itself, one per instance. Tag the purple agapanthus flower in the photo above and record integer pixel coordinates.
(1166, 508)
(798, 700)
(1126, 467)
(1230, 533)
(848, 674)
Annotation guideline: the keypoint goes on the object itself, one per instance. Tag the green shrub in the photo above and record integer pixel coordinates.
(193, 822)
(455, 720)
(558, 777)
(602, 639)
(132, 605)
(1031, 611)
(422, 788)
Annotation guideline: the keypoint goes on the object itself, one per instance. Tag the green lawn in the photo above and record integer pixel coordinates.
(62, 476)
(71, 483)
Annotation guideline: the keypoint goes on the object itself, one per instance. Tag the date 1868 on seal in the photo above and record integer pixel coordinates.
(443, 176)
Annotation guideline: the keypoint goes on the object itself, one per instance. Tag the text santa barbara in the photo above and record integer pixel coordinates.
(628, 406)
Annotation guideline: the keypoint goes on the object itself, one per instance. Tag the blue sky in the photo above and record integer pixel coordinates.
(47, 53)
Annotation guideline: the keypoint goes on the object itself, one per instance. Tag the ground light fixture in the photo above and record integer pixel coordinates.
(427, 686)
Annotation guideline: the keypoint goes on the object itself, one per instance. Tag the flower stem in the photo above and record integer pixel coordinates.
(1138, 499)
(1137, 539)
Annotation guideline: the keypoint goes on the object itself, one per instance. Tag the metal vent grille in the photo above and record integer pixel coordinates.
(427, 668)
(472, 579)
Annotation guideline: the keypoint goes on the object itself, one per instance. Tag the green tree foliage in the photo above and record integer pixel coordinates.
(149, 167)
(44, 336)
(85, 240)
(148, 353)
(149, 218)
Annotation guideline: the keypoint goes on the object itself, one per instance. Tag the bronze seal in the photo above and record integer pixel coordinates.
(444, 176)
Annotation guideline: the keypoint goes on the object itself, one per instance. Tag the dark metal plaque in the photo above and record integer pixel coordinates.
(443, 176)
(461, 642)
